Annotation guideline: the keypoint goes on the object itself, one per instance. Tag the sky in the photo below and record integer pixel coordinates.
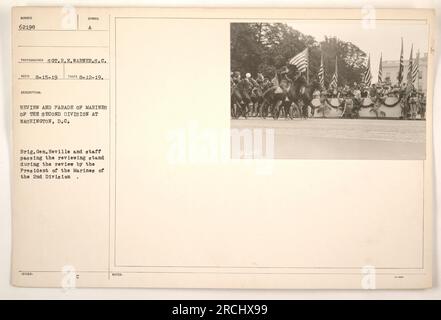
(381, 37)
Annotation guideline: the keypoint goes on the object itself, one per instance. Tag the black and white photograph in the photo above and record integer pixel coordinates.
(329, 89)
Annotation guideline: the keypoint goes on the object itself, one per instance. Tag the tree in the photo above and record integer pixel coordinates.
(350, 59)
(246, 53)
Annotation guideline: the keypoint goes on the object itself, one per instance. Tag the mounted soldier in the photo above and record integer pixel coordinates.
(244, 86)
(257, 94)
(236, 97)
(275, 96)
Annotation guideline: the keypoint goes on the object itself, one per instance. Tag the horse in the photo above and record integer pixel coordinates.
(273, 98)
(300, 93)
(257, 99)
(238, 107)
(292, 96)
(280, 98)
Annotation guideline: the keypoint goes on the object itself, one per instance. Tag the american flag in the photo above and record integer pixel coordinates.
(380, 70)
(300, 60)
(367, 74)
(415, 68)
(410, 68)
(321, 73)
(334, 80)
(401, 70)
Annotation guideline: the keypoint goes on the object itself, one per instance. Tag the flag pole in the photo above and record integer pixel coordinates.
(418, 76)
(380, 70)
(401, 67)
(307, 65)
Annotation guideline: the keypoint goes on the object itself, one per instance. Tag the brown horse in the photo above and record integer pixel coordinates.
(292, 97)
(278, 99)
(257, 99)
(238, 107)
(300, 93)
(272, 101)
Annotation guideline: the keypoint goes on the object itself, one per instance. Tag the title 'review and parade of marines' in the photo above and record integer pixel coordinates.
(289, 93)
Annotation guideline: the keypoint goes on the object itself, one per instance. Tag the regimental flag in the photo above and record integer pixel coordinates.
(415, 68)
(401, 69)
(410, 67)
(380, 70)
(301, 61)
(367, 77)
(334, 81)
(321, 73)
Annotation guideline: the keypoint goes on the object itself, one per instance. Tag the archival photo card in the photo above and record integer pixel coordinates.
(132, 167)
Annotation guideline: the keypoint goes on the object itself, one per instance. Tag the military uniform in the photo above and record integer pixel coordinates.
(413, 105)
(245, 87)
